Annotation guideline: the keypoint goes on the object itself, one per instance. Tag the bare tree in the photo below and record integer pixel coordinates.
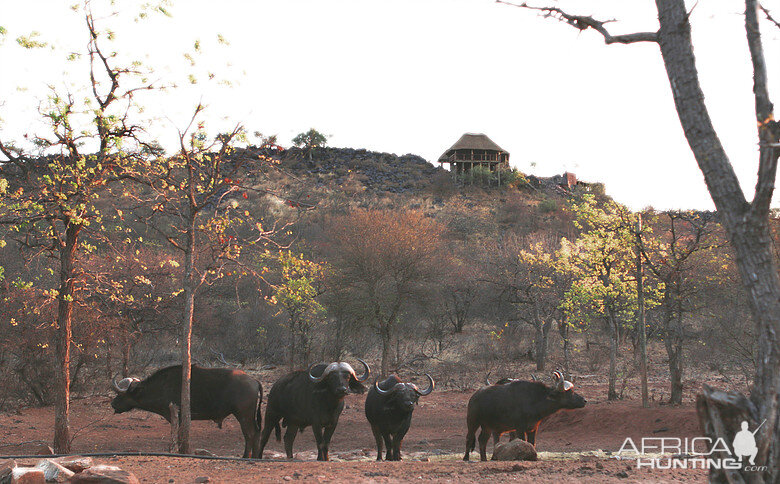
(747, 222)
(526, 277)
(193, 201)
(385, 261)
(671, 257)
(57, 202)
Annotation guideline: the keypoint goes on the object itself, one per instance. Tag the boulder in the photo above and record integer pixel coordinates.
(7, 466)
(54, 472)
(44, 449)
(514, 450)
(103, 474)
(27, 475)
(75, 463)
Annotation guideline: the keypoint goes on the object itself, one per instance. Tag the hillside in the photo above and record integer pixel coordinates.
(338, 178)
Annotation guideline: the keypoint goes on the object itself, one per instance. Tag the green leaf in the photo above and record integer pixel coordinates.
(30, 41)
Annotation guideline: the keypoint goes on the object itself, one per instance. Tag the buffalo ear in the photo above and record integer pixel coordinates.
(355, 386)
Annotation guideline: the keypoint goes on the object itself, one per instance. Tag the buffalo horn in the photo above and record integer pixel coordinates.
(123, 385)
(561, 383)
(325, 372)
(428, 390)
(365, 374)
(558, 380)
(387, 392)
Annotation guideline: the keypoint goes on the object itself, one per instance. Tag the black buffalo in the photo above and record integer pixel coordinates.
(516, 406)
(389, 406)
(314, 397)
(215, 393)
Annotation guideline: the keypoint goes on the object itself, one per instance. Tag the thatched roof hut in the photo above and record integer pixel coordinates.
(475, 150)
(472, 141)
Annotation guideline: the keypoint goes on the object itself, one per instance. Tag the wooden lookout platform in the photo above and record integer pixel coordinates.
(473, 150)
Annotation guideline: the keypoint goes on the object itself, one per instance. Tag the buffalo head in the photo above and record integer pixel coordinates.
(128, 394)
(339, 377)
(563, 393)
(404, 395)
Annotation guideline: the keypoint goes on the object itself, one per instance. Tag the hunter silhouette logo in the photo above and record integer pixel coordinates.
(697, 452)
(745, 443)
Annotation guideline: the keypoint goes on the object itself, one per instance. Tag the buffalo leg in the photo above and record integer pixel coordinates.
(256, 445)
(530, 437)
(388, 445)
(378, 438)
(484, 436)
(271, 422)
(326, 436)
(397, 446)
(470, 439)
(317, 430)
(250, 437)
(399, 436)
(289, 438)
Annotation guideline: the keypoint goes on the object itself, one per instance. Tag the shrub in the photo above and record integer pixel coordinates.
(547, 206)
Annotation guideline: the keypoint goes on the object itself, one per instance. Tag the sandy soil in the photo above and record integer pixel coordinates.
(569, 442)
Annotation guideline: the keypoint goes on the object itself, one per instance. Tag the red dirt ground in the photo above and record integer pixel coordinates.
(432, 448)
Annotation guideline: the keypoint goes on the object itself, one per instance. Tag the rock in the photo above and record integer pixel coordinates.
(514, 450)
(27, 475)
(7, 466)
(54, 472)
(75, 464)
(205, 452)
(103, 474)
(44, 449)
(202, 479)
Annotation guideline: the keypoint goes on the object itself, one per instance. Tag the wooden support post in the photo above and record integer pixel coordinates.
(174, 409)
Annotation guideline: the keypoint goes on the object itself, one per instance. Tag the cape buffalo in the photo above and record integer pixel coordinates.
(389, 406)
(311, 397)
(215, 394)
(516, 406)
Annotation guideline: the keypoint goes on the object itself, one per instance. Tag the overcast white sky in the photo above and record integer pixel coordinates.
(411, 76)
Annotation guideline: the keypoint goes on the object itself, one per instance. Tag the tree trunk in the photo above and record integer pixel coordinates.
(63, 339)
(745, 223)
(673, 341)
(291, 345)
(384, 335)
(185, 342)
(641, 316)
(540, 342)
(125, 353)
(613, 353)
(675, 371)
(564, 330)
(109, 360)
(541, 338)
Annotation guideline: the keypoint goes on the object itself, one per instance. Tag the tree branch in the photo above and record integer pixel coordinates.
(768, 128)
(584, 22)
(769, 16)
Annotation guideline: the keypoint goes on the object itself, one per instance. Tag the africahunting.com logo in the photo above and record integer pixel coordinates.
(696, 453)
